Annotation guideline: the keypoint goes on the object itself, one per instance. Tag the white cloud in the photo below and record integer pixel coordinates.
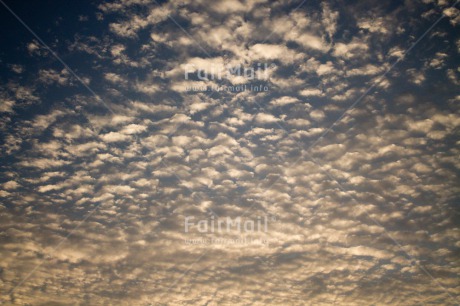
(115, 137)
(265, 118)
(286, 100)
(167, 153)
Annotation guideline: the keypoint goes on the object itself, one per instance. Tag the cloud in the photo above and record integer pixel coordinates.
(97, 198)
(273, 52)
(284, 101)
(115, 137)
(11, 185)
(264, 118)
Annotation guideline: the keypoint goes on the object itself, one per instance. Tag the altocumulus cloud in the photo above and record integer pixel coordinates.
(352, 158)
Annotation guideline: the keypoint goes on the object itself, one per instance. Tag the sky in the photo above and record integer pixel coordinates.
(231, 152)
